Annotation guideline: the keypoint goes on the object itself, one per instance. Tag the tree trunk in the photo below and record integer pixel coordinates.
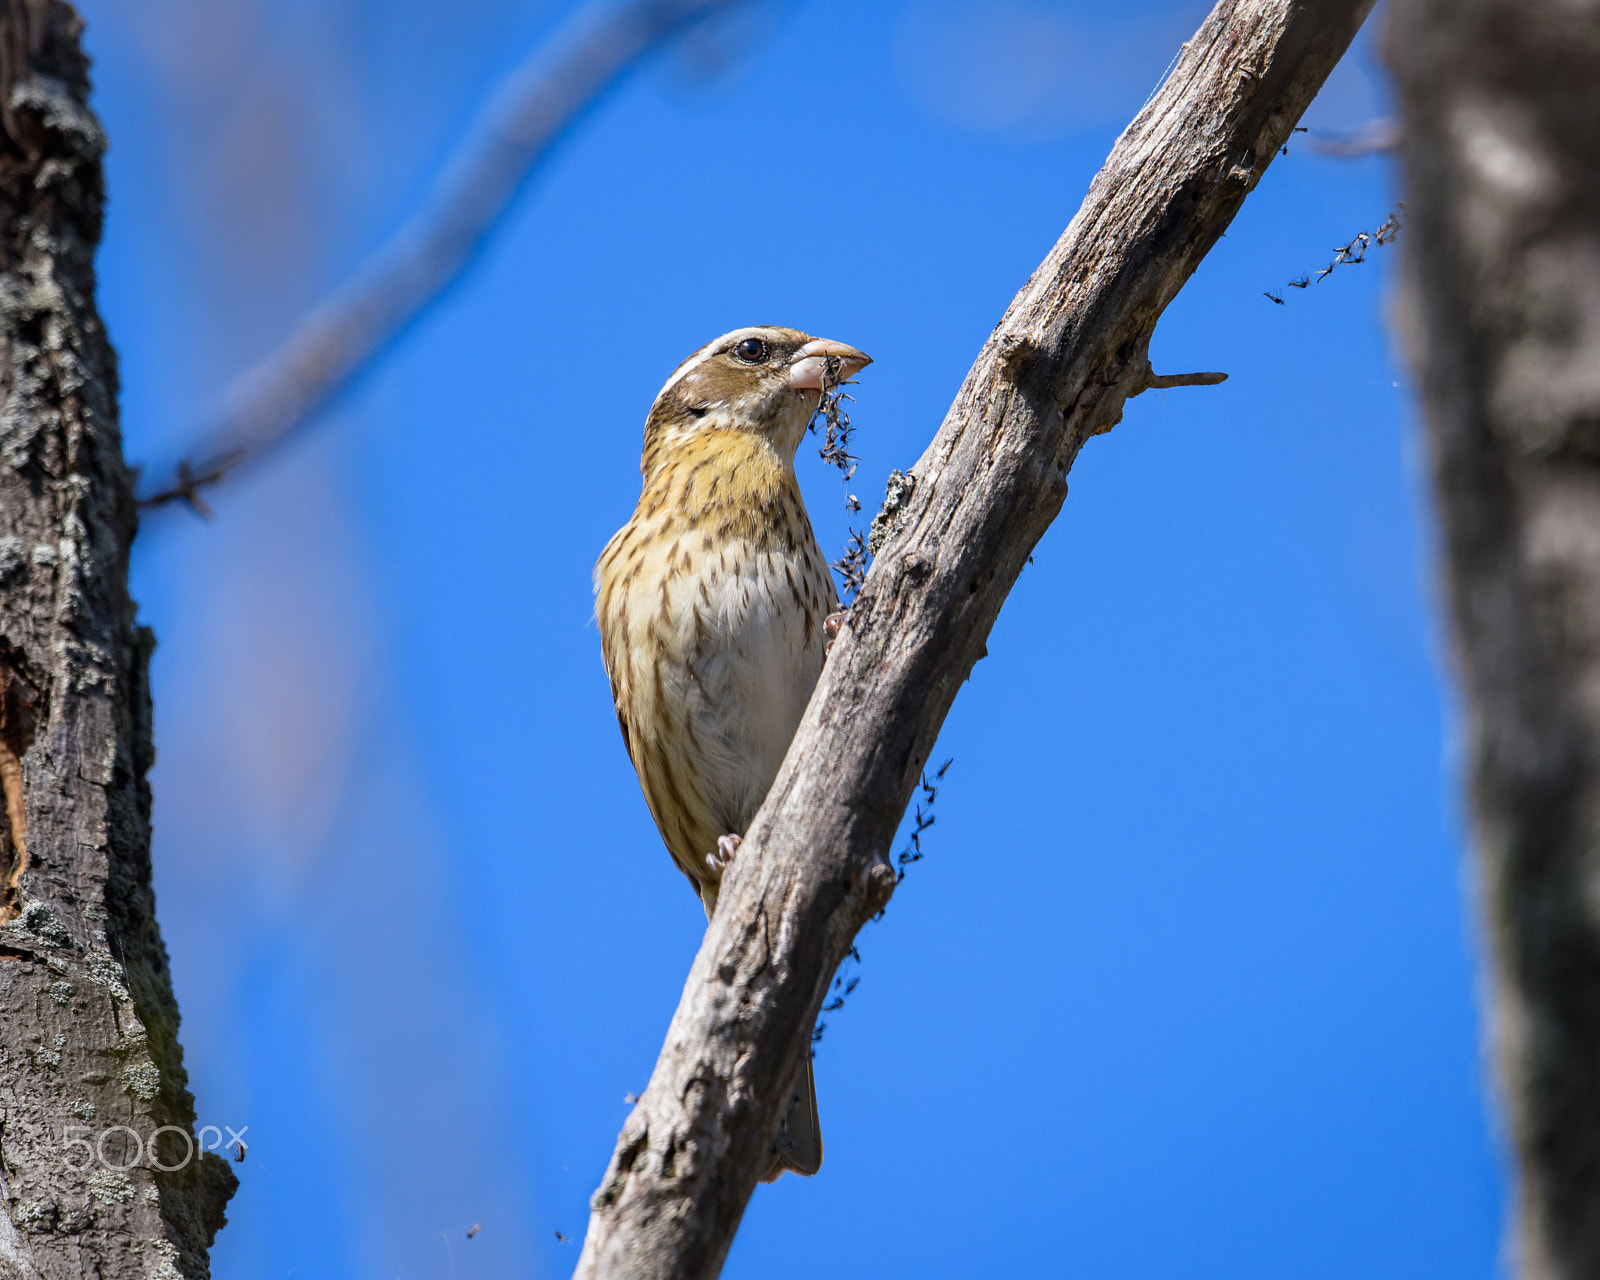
(814, 865)
(90, 1067)
(1500, 310)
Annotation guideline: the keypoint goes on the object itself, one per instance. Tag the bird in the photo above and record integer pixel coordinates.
(716, 607)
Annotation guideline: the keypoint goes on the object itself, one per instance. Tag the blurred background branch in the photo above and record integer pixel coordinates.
(1376, 137)
(526, 116)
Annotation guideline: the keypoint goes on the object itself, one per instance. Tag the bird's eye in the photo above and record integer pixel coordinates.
(751, 351)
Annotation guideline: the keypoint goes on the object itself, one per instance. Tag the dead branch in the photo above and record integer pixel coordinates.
(1161, 381)
(815, 863)
(1500, 312)
(527, 115)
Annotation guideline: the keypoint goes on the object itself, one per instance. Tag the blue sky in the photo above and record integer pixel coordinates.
(1185, 985)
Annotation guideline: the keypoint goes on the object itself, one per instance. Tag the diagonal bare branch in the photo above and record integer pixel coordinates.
(528, 114)
(815, 864)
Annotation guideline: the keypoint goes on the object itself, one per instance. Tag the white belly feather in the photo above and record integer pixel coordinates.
(749, 669)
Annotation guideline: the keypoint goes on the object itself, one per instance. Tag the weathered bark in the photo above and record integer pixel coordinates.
(1500, 310)
(88, 1024)
(814, 866)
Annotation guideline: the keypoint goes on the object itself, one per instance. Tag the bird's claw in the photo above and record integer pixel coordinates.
(831, 626)
(722, 859)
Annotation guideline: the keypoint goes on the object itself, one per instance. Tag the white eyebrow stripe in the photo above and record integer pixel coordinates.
(689, 366)
(710, 349)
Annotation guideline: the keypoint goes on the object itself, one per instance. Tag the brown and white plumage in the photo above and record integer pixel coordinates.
(712, 601)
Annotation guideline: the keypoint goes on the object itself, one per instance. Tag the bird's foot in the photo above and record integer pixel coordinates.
(830, 628)
(722, 859)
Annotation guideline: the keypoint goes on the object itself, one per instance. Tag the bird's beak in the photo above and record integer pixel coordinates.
(810, 364)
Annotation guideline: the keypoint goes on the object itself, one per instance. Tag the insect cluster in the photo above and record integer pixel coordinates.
(1352, 254)
(835, 451)
(845, 982)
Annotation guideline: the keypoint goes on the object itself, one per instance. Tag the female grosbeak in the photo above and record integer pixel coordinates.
(713, 603)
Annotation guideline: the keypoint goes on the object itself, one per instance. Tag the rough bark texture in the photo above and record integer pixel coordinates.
(814, 866)
(88, 1025)
(1501, 313)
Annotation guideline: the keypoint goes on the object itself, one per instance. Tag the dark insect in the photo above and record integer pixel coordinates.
(1355, 252)
(852, 566)
(238, 1154)
(835, 449)
(562, 1238)
(1303, 282)
(925, 819)
(1269, 294)
(474, 1229)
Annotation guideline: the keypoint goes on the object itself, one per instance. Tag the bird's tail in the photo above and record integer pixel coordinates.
(797, 1145)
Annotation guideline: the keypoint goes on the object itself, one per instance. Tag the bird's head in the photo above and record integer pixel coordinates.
(762, 379)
